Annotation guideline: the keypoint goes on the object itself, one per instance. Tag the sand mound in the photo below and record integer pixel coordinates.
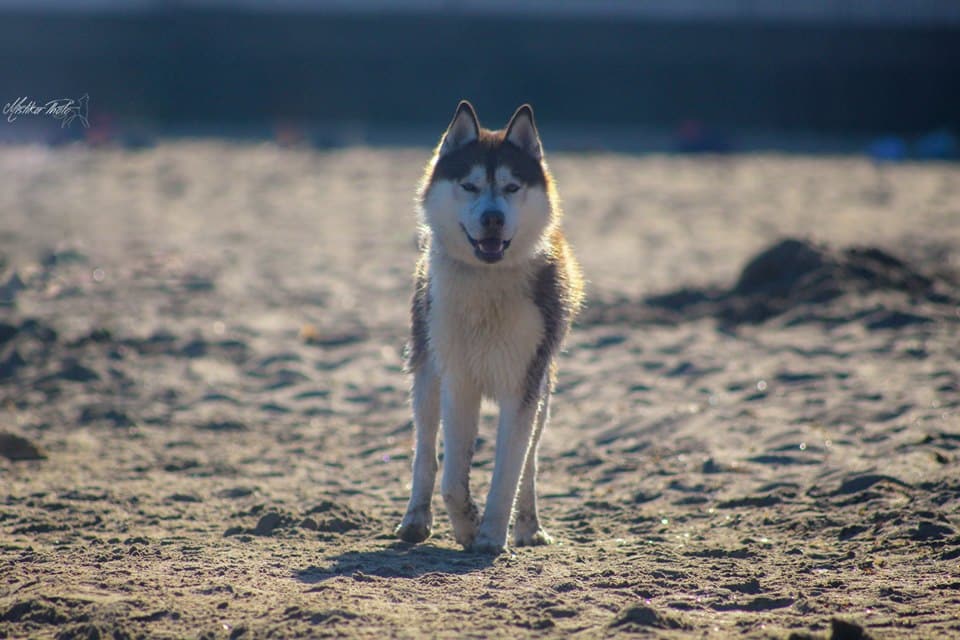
(804, 282)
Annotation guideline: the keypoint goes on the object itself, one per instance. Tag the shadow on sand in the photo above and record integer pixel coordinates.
(399, 560)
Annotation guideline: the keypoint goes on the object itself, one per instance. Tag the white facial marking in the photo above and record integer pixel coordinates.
(505, 178)
(449, 209)
(476, 178)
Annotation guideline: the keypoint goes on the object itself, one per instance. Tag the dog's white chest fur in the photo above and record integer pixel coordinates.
(484, 325)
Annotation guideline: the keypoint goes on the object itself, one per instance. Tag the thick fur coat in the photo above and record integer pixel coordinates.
(496, 289)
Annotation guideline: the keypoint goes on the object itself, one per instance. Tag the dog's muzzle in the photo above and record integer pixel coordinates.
(489, 249)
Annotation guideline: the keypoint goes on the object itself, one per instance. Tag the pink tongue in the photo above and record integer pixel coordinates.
(491, 245)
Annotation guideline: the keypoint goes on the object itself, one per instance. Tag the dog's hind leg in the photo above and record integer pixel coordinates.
(417, 524)
(513, 442)
(460, 406)
(526, 526)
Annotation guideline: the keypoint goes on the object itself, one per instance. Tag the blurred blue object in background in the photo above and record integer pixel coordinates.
(937, 145)
(888, 149)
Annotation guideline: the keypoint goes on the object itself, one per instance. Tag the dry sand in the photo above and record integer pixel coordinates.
(200, 350)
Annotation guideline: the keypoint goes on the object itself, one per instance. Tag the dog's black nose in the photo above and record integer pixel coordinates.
(492, 219)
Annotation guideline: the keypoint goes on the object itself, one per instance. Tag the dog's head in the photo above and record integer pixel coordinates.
(487, 195)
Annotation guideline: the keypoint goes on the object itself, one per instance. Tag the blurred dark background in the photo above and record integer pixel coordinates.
(830, 67)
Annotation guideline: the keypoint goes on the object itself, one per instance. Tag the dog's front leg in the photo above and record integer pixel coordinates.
(460, 410)
(417, 524)
(513, 442)
(526, 525)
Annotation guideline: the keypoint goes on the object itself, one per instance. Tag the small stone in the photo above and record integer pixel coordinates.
(14, 447)
(843, 630)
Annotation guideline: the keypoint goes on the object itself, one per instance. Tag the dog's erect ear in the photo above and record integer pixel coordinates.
(522, 131)
(463, 129)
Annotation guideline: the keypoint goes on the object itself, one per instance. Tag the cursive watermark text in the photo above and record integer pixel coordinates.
(66, 110)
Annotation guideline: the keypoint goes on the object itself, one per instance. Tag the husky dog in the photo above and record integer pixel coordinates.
(496, 288)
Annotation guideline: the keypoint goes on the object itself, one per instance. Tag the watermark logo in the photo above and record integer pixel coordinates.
(66, 110)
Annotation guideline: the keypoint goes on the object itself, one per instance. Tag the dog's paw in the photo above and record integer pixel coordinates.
(465, 523)
(487, 545)
(465, 539)
(415, 528)
(413, 532)
(534, 538)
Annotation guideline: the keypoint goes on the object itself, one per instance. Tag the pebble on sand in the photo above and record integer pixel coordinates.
(14, 447)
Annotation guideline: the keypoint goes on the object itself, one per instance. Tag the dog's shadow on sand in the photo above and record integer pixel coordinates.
(399, 560)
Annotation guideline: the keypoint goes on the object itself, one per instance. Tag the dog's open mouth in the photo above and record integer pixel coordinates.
(488, 249)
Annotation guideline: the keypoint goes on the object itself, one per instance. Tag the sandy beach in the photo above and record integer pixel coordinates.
(205, 429)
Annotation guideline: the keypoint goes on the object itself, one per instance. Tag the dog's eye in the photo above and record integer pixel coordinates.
(511, 188)
(469, 187)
